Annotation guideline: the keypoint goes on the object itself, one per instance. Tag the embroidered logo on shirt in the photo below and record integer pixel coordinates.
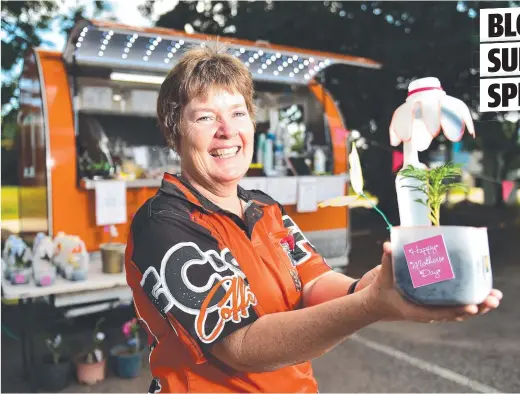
(288, 244)
(302, 249)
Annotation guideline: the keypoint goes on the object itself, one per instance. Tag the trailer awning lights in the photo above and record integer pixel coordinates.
(139, 78)
(156, 51)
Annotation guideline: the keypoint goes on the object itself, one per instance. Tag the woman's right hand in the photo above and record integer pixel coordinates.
(384, 300)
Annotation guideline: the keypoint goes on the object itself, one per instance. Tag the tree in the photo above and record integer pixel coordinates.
(411, 40)
(23, 23)
(499, 139)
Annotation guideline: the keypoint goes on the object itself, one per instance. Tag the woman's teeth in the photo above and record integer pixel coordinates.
(224, 153)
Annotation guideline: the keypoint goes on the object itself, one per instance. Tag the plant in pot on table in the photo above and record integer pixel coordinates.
(128, 357)
(17, 261)
(91, 365)
(55, 367)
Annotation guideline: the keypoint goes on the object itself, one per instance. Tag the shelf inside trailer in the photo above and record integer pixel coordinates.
(90, 184)
(117, 112)
(283, 189)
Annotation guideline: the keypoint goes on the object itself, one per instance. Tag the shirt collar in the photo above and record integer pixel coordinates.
(177, 185)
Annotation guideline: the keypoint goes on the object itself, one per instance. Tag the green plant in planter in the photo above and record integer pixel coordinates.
(53, 373)
(95, 353)
(131, 332)
(434, 184)
(55, 348)
(128, 356)
(21, 260)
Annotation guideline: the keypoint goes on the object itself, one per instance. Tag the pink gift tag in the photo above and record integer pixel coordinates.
(428, 261)
(19, 278)
(45, 281)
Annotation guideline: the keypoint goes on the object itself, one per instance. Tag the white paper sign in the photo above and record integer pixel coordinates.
(254, 183)
(284, 190)
(307, 201)
(329, 187)
(96, 97)
(143, 100)
(110, 202)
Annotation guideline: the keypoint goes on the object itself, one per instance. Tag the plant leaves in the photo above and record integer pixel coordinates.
(356, 175)
(436, 182)
(341, 201)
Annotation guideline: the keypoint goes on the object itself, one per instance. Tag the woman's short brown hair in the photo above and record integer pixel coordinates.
(198, 71)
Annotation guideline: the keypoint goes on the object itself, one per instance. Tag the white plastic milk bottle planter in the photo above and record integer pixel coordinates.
(434, 264)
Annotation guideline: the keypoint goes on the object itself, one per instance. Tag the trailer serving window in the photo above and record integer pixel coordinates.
(116, 74)
(118, 136)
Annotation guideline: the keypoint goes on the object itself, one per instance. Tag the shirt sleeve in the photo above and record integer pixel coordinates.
(192, 279)
(309, 263)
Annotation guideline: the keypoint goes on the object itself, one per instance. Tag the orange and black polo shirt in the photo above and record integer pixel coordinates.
(198, 273)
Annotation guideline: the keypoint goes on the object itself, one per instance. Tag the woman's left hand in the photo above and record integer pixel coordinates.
(368, 278)
(484, 308)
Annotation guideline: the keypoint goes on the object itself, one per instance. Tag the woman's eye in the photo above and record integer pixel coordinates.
(240, 113)
(204, 119)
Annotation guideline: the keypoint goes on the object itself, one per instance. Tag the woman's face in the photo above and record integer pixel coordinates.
(217, 137)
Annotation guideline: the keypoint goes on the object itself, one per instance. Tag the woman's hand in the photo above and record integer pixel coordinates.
(384, 300)
(368, 278)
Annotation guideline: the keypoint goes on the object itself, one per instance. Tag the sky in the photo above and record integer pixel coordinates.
(126, 12)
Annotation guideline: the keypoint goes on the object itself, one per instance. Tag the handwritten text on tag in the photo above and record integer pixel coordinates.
(428, 261)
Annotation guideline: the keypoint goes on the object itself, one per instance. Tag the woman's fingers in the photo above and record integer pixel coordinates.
(471, 309)
(435, 314)
(483, 310)
(497, 293)
(491, 302)
(438, 314)
(396, 307)
(387, 248)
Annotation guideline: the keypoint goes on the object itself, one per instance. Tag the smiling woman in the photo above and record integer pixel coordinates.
(234, 296)
(218, 138)
(207, 116)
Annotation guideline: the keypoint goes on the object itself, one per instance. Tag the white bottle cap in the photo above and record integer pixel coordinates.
(425, 85)
(429, 82)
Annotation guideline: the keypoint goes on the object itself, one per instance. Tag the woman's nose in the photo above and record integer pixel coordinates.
(225, 129)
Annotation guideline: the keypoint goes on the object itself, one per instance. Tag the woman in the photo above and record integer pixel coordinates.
(234, 296)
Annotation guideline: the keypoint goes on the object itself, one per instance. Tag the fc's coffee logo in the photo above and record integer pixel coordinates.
(200, 284)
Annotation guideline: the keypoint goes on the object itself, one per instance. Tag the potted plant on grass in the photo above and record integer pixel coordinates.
(91, 365)
(128, 357)
(55, 367)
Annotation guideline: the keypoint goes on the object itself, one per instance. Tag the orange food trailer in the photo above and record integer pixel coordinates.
(88, 122)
